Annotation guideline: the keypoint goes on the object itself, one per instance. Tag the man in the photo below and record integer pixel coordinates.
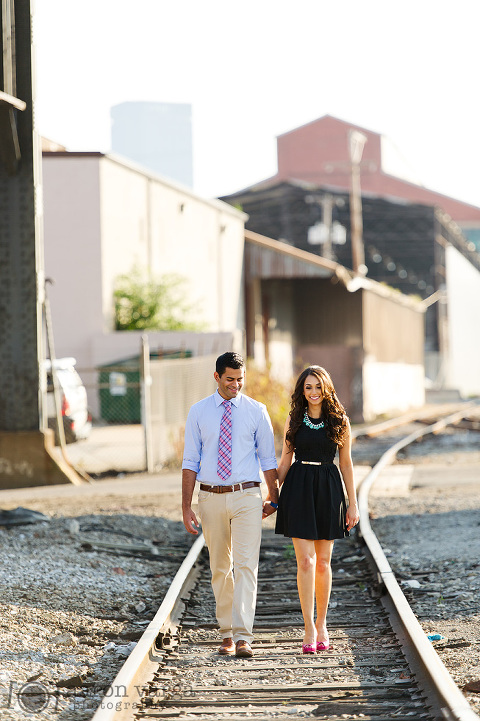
(227, 436)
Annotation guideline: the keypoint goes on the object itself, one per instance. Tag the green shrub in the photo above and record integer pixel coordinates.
(144, 303)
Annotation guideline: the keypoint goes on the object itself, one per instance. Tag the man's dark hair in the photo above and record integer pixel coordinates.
(229, 360)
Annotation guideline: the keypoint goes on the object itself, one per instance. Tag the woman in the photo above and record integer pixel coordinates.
(312, 509)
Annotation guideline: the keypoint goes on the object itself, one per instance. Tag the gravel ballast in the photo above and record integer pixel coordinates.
(79, 588)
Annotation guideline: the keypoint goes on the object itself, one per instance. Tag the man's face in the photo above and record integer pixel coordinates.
(230, 383)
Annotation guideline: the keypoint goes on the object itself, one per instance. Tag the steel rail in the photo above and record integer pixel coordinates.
(123, 693)
(457, 706)
(375, 429)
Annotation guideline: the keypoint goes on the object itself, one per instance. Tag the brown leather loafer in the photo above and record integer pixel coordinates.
(227, 647)
(243, 649)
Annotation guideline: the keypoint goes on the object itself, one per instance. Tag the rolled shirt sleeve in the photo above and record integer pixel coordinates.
(264, 441)
(193, 443)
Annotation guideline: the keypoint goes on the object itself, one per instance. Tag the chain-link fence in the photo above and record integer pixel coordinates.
(116, 441)
(136, 425)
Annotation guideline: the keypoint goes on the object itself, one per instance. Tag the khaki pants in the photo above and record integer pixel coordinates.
(232, 527)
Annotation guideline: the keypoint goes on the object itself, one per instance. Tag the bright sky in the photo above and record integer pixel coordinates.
(258, 68)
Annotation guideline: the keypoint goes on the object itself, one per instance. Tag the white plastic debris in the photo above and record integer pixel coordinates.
(411, 584)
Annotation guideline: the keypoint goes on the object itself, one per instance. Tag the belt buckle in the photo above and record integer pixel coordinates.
(222, 489)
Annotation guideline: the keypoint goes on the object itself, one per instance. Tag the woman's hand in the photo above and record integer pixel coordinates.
(352, 515)
(267, 509)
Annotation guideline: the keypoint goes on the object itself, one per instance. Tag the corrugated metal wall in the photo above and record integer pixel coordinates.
(340, 331)
(392, 333)
(326, 312)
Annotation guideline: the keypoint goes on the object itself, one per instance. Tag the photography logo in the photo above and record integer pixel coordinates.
(33, 697)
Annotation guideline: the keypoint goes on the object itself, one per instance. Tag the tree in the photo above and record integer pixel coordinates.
(143, 303)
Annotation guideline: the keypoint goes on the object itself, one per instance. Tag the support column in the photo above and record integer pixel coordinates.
(24, 458)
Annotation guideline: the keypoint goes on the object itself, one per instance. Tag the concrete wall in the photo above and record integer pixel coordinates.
(112, 347)
(159, 226)
(71, 190)
(167, 229)
(124, 229)
(390, 388)
(103, 215)
(393, 365)
(463, 304)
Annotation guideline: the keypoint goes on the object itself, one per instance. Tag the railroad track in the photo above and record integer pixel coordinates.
(380, 664)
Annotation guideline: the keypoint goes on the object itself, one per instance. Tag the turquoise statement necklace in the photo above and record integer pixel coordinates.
(309, 423)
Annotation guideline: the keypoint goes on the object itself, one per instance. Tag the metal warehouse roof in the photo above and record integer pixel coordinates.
(268, 258)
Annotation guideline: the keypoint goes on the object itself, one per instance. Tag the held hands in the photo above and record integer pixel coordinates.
(190, 522)
(352, 517)
(267, 509)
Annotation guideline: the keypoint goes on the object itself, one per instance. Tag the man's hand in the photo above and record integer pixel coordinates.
(267, 509)
(190, 521)
(271, 478)
(189, 518)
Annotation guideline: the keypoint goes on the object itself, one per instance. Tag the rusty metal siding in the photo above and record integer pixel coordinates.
(327, 313)
(392, 333)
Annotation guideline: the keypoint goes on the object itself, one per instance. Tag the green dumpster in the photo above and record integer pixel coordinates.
(119, 385)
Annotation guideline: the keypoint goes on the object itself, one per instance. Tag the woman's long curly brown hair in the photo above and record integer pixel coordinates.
(333, 413)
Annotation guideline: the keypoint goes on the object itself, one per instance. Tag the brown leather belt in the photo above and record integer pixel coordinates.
(228, 489)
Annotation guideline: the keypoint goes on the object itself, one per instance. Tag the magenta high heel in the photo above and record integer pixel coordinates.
(308, 648)
(321, 646)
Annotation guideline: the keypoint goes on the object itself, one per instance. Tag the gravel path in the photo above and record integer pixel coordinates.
(79, 587)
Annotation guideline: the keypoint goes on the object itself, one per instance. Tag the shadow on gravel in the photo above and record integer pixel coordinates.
(76, 594)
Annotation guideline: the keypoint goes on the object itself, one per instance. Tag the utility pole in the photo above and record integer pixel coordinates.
(356, 141)
(327, 232)
(327, 206)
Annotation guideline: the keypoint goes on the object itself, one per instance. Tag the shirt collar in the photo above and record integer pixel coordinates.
(219, 400)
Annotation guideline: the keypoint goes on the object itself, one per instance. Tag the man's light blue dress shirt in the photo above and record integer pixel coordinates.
(252, 440)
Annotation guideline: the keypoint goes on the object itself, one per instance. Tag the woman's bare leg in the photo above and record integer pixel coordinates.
(305, 554)
(323, 586)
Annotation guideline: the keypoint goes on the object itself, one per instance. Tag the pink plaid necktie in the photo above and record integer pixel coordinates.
(224, 463)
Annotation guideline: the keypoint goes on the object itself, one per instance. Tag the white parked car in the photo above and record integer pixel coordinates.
(77, 422)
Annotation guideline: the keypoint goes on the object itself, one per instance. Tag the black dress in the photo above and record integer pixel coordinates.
(312, 500)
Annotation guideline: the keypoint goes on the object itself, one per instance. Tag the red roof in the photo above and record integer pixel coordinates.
(318, 152)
